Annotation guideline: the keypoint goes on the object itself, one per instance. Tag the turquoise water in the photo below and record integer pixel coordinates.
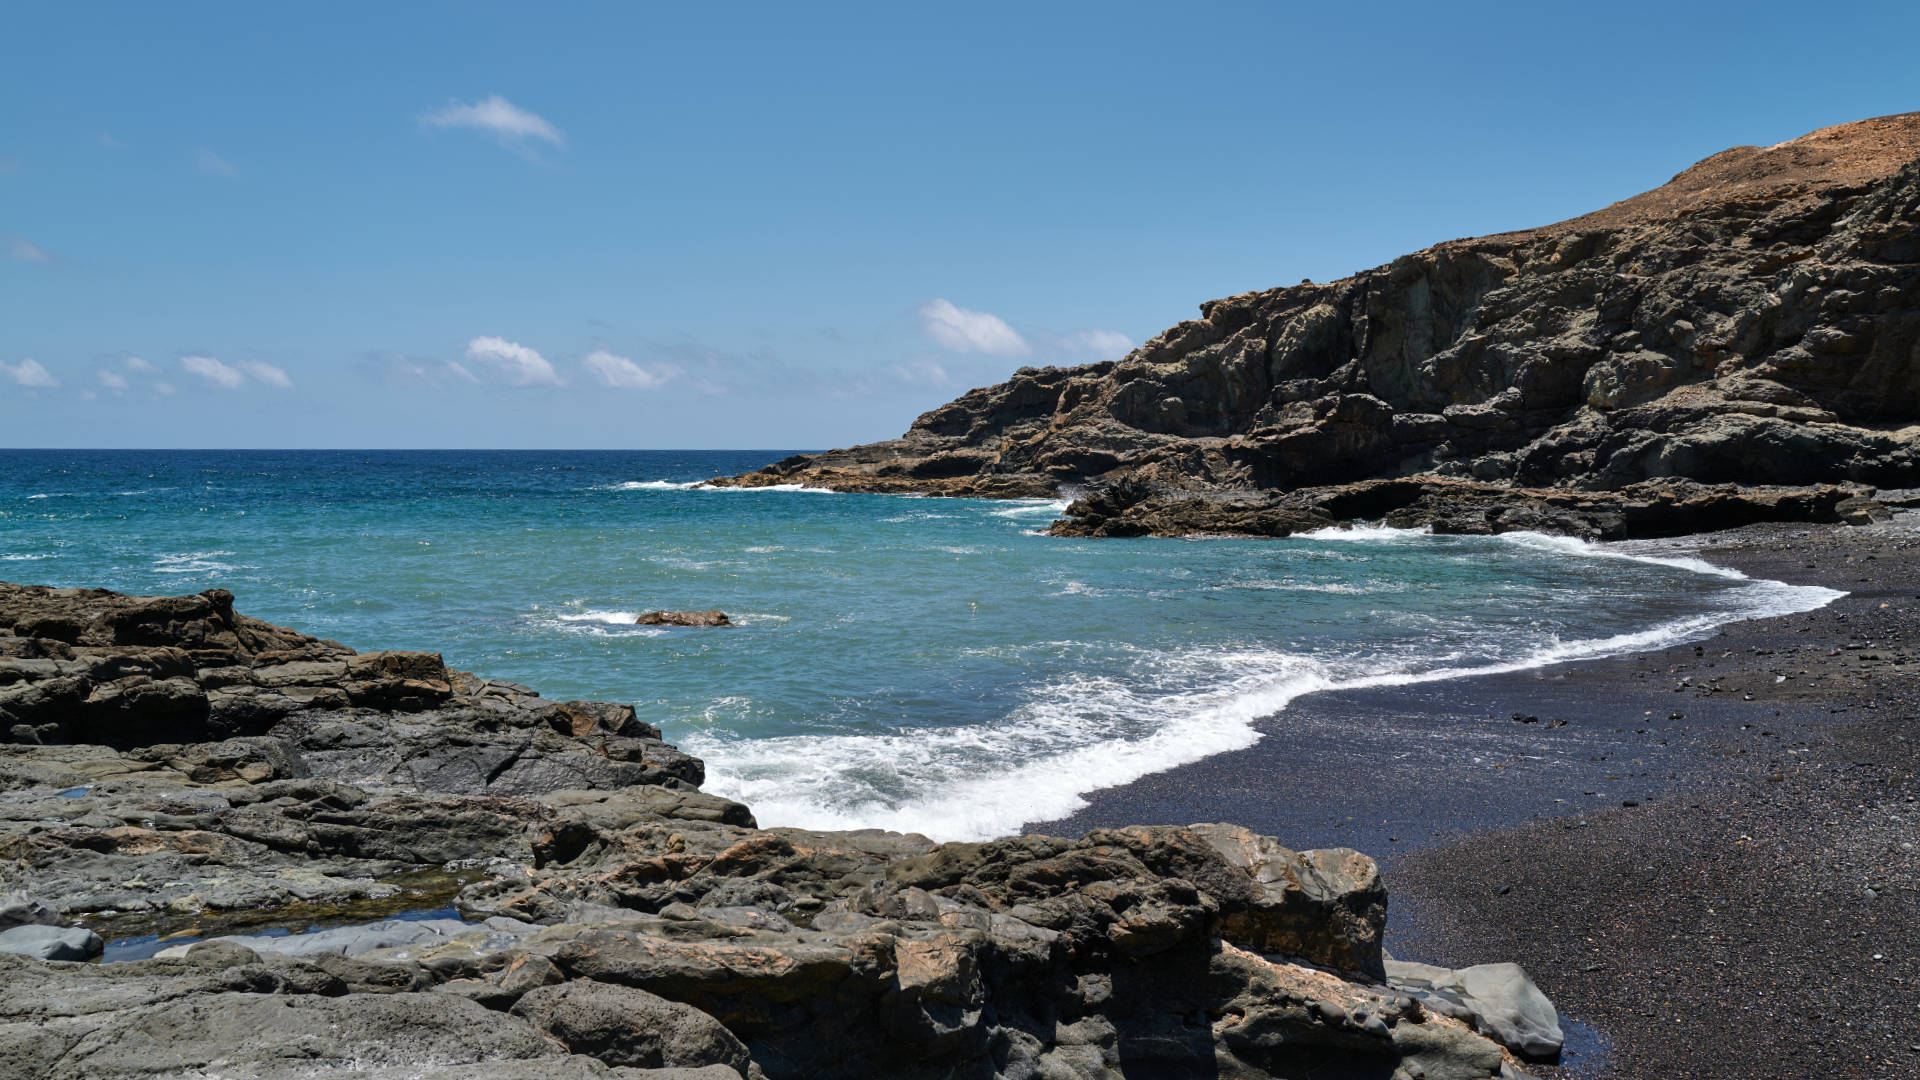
(911, 663)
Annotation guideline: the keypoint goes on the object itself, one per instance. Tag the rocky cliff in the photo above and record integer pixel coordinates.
(1755, 321)
(171, 767)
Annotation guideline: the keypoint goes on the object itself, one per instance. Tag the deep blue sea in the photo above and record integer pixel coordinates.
(910, 663)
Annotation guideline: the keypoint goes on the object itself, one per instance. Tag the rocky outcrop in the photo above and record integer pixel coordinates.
(684, 618)
(1754, 321)
(245, 780)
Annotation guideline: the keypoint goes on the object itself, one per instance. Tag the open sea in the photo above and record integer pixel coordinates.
(922, 664)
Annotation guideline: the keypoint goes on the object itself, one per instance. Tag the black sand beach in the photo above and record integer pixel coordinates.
(1703, 854)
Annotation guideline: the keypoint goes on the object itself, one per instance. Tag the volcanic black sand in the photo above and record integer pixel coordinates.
(1705, 854)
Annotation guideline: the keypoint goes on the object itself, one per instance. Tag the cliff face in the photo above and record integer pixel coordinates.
(1756, 320)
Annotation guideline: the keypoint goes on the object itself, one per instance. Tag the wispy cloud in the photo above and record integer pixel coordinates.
(134, 363)
(113, 381)
(233, 376)
(214, 164)
(963, 330)
(11, 164)
(30, 374)
(214, 372)
(619, 372)
(163, 388)
(267, 374)
(109, 142)
(1104, 344)
(517, 364)
(26, 250)
(514, 127)
(401, 370)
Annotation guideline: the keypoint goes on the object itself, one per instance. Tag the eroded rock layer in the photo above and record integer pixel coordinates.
(1754, 321)
(176, 768)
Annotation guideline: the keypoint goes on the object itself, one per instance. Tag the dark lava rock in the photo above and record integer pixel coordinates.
(247, 778)
(1755, 321)
(684, 618)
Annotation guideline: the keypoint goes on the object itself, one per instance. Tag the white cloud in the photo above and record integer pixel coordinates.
(519, 365)
(618, 371)
(213, 371)
(113, 381)
(495, 115)
(459, 370)
(134, 363)
(211, 162)
(971, 331)
(163, 388)
(263, 372)
(29, 373)
(26, 251)
(1105, 344)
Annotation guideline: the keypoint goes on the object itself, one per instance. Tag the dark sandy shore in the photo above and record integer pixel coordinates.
(1705, 854)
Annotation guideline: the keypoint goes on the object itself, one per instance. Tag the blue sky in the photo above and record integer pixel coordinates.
(630, 225)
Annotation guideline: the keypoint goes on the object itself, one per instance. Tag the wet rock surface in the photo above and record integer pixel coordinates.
(1756, 321)
(177, 768)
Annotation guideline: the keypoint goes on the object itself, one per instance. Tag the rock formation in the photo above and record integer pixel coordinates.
(178, 769)
(1755, 321)
(684, 618)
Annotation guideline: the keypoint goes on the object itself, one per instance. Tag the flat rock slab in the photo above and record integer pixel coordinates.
(52, 942)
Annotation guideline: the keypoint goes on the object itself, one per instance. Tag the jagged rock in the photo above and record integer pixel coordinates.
(255, 779)
(684, 618)
(1755, 321)
(624, 1026)
(1497, 999)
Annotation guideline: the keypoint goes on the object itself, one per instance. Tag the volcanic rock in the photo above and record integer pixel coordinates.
(614, 919)
(684, 618)
(1755, 321)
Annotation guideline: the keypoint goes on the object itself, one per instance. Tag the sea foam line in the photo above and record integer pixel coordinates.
(976, 794)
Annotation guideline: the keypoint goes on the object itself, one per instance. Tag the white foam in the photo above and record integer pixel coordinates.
(195, 562)
(1364, 533)
(769, 487)
(23, 558)
(1570, 545)
(1028, 507)
(658, 485)
(610, 618)
(1083, 732)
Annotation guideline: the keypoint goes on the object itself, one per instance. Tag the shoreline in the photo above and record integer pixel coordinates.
(1748, 741)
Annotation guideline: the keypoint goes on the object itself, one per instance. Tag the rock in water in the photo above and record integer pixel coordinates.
(1755, 321)
(684, 618)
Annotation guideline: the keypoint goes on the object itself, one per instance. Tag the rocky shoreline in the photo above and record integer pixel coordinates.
(1739, 345)
(1705, 854)
(176, 770)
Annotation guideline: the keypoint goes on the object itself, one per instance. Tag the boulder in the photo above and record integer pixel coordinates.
(52, 942)
(621, 1025)
(1499, 1000)
(684, 618)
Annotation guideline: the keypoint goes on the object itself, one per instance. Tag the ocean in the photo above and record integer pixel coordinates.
(922, 664)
